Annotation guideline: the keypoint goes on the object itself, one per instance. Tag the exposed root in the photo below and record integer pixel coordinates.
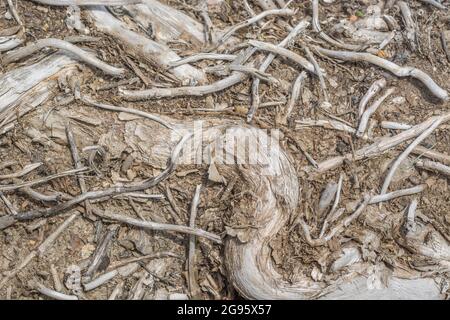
(327, 124)
(381, 146)
(299, 28)
(373, 90)
(40, 250)
(296, 88)
(262, 184)
(364, 121)
(407, 151)
(159, 227)
(159, 93)
(434, 166)
(167, 24)
(435, 4)
(434, 88)
(202, 56)
(148, 50)
(66, 46)
(255, 19)
(285, 53)
(86, 2)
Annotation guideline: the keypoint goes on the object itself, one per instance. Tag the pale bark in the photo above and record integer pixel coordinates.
(142, 47)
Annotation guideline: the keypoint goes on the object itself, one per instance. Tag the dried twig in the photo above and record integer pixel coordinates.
(193, 285)
(17, 186)
(208, 24)
(410, 218)
(250, 11)
(295, 93)
(262, 15)
(445, 44)
(266, 4)
(307, 234)
(87, 2)
(66, 46)
(328, 194)
(435, 4)
(251, 71)
(158, 255)
(300, 27)
(25, 170)
(327, 124)
(138, 72)
(318, 72)
(11, 210)
(308, 157)
(324, 36)
(380, 146)
(100, 280)
(435, 89)
(202, 56)
(117, 291)
(142, 196)
(284, 53)
(398, 193)
(81, 38)
(346, 222)
(10, 38)
(40, 250)
(122, 269)
(176, 211)
(337, 229)
(77, 162)
(373, 90)
(56, 280)
(55, 197)
(91, 102)
(142, 47)
(370, 111)
(91, 195)
(433, 166)
(100, 252)
(411, 34)
(158, 93)
(14, 13)
(168, 23)
(391, 125)
(145, 282)
(406, 153)
(155, 93)
(53, 293)
(159, 226)
(431, 154)
(367, 200)
(334, 207)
